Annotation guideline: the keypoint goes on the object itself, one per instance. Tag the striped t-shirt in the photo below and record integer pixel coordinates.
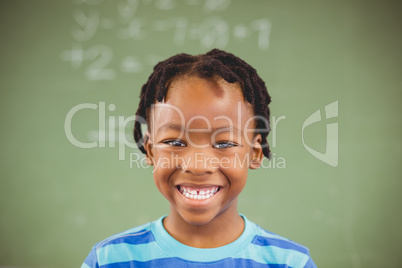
(150, 245)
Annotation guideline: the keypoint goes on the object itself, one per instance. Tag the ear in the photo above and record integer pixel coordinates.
(256, 153)
(149, 158)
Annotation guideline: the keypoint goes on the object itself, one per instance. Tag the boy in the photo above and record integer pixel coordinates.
(208, 121)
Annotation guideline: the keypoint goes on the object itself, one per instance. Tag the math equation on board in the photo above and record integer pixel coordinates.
(126, 21)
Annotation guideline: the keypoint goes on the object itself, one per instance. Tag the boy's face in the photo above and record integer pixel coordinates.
(201, 144)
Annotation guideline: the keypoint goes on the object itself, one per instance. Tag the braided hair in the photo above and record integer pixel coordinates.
(215, 62)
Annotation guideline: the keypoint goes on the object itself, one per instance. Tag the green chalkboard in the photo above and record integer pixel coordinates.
(70, 75)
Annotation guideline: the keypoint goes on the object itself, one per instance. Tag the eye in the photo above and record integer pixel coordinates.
(175, 143)
(224, 145)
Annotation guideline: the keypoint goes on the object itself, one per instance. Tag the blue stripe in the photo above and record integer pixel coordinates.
(178, 263)
(143, 237)
(129, 252)
(135, 230)
(144, 253)
(285, 244)
(266, 233)
(275, 255)
(91, 260)
(84, 265)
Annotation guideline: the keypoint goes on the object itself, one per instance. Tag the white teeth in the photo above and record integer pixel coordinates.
(198, 194)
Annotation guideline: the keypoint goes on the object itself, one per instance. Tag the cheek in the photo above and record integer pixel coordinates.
(161, 180)
(164, 161)
(162, 170)
(238, 161)
(236, 169)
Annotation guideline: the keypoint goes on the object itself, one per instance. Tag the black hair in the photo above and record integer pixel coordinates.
(214, 63)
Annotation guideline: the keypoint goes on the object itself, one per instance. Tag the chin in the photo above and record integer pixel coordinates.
(197, 218)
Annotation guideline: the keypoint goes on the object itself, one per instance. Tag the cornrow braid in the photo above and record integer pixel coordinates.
(215, 62)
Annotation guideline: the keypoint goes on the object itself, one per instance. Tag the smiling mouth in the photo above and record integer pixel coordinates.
(198, 194)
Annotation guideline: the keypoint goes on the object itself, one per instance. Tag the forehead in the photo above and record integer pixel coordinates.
(201, 102)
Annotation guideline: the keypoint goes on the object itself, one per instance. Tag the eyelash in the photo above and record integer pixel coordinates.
(228, 144)
(170, 142)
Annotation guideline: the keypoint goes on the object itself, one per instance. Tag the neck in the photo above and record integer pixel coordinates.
(225, 228)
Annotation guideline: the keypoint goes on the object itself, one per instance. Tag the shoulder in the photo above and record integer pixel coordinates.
(277, 249)
(137, 235)
(111, 249)
(267, 238)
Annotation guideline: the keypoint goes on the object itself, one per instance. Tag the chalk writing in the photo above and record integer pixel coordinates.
(134, 23)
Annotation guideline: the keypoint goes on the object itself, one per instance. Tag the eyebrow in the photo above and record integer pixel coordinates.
(178, 127)
(170, 126)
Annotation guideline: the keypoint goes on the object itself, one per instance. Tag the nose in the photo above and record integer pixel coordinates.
(199, 162)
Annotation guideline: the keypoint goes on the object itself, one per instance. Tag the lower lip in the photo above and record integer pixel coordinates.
(198, 202)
